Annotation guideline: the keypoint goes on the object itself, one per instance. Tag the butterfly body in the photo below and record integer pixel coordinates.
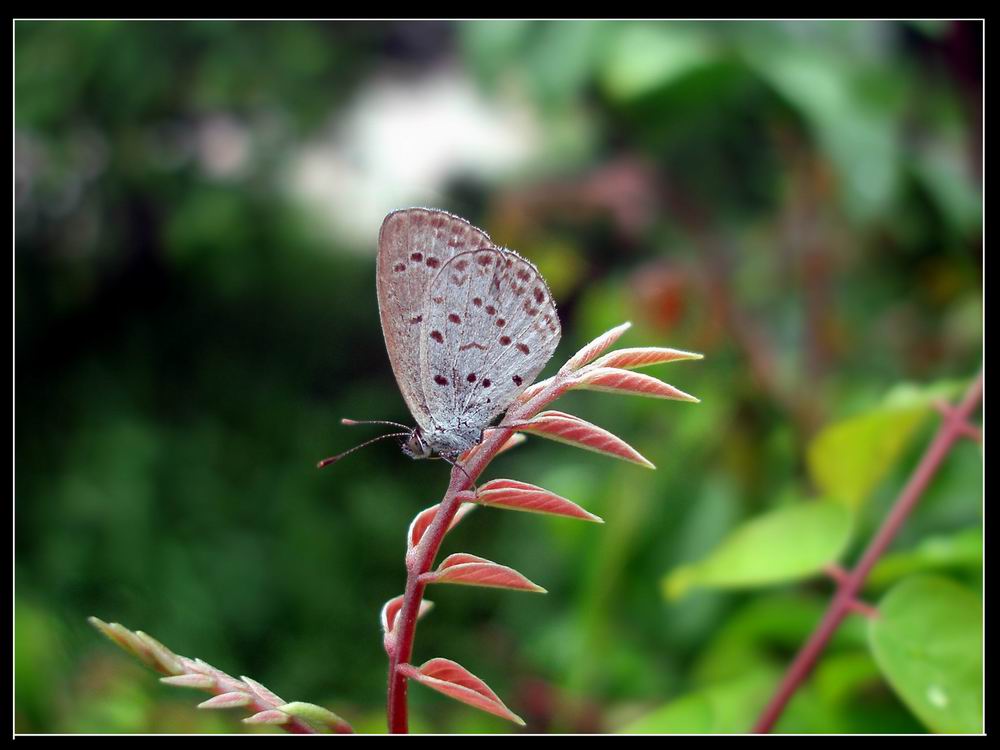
(468, 326)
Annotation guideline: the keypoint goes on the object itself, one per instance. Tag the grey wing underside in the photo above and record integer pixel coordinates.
(414, 245)
(489, 329)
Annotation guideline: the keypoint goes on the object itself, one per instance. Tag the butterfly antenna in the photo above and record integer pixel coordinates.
(333, 459)
(354, 422)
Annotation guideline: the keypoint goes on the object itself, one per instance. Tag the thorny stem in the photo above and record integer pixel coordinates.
(953, 427)
(421, 558)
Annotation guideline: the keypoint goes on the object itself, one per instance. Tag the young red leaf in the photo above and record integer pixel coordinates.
(424, 518)
(611, 380)
(270, 716)
(507, 493)
(595, 347)
(227, 700)
(512, 442)
(391, 608)
(644, 357)
(470, 570)
(533, 390)
(566, 428)
(457, 682)
(194, 680)
(262, 692)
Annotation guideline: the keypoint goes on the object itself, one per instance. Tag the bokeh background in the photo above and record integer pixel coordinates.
(197, 206)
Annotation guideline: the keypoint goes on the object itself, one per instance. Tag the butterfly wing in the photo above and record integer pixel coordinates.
(413, 245)
(488, 330)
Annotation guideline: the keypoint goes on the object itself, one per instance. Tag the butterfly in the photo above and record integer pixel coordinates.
(468, 326)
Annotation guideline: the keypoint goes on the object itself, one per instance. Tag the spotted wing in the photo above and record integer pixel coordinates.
(489, 328)
(413, 245)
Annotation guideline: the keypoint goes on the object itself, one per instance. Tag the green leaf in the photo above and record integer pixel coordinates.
(848, 458)
(727, 707)
(928, 642)
(644, 57)
(960, 551)
(851, 127)
(784, 545)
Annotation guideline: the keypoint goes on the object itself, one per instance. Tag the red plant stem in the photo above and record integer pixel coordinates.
(421, 558)
(952, 428)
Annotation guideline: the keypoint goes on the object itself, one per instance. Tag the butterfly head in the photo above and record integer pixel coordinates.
(415, 446)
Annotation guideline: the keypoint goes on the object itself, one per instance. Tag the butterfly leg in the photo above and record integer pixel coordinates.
(453, 462)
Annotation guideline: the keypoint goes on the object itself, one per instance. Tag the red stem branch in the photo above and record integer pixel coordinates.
(421, 558)
(953, 427)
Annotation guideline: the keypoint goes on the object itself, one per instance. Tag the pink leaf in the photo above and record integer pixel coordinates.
(391, 608)
(227, 700)
(566, 428)
(223, 682)
(196, 681)
(595, 347)
(262, 692)
(270, 716)
(611, 380)
(643, 357)
(457, 682)
(470, 570)
(424, 518)
(533, 390)
(512, 442)
(507, 493)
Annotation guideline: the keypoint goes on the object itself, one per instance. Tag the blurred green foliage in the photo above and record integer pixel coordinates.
(799, 201)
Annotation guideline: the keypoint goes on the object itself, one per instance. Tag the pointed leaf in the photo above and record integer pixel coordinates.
(470, 570)
(849, 458)
(227, 700)
(262, 692)
(317, 716)
(391, 609)
(223, 682)
(196, 681)
(595, 347)
(457, 682)
(928, 642)
(610, 380)
(149, 650)
(512, 495)
(270, 716)
(644, 356)
(512, 442)
(424, 518)
(786, 544)
(566, 428)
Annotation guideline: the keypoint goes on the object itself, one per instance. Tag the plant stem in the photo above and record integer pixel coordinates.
(421, 558)
(953, 427)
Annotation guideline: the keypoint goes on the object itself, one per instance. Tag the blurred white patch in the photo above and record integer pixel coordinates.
(398, 145)
(937, 697)
(223, 146)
